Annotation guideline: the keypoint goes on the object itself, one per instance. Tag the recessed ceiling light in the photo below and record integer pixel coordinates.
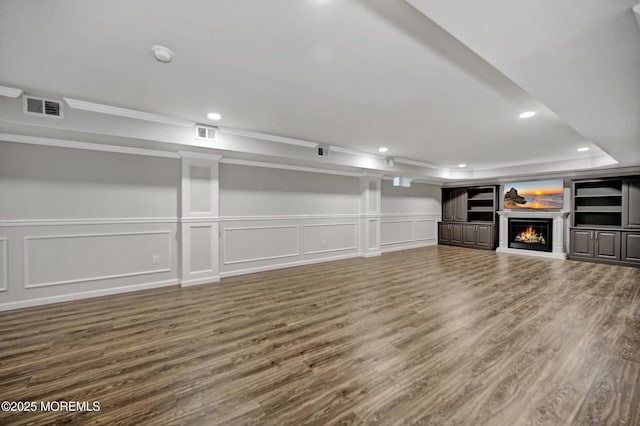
(583, 149)
(214, 116)
(383, 149)
(527, 114)
(462, 165)
(162, 53)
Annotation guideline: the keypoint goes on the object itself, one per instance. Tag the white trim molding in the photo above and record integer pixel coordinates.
(4, 260)
(75, 222)
(290, 217)
(84, 295)
(264, 268)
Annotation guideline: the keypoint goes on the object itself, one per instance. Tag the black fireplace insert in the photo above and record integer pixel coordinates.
(531, 234)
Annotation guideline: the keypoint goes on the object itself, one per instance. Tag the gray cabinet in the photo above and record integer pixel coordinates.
(581, 243)
(454, 205)
(631, 247)
(450, 233)
(444, 233)
(607, 245)
(466, 234)
(456, 233)
(469, 234)
(484, 236)
(596, 244)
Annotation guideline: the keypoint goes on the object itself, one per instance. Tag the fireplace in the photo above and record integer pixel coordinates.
(531, 234)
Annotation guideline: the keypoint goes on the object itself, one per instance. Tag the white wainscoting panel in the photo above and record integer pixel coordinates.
(395, 232)
(66, 259)
(373, 233)
(250, 244)
(201, 250)
(405, 231)
(4, 265)
(424, 229)
(328, 237)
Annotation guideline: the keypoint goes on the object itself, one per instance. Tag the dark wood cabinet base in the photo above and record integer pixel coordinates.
(472, 235)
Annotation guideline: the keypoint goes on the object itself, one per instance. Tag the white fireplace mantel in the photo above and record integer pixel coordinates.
(559, 220)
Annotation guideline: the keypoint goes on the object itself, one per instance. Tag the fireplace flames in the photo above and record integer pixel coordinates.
(530, 236)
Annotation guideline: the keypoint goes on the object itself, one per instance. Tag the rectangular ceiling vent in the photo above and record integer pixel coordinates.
(207, 133)
(323, 151)
(40, 106)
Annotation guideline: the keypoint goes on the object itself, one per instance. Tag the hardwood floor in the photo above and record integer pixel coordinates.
(440, 335)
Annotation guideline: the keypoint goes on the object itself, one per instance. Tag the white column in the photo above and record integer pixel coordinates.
(199, 218)
(370, 216)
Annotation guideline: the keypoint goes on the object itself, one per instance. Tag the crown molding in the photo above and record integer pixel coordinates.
(128, 113)
(10, 92)
(268, 137)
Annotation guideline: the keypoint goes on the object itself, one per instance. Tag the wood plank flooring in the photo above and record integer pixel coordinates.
(440, 335)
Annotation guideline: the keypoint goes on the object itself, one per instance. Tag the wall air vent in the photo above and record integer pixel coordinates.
(322, 151)
(206, 132)
(41, 106)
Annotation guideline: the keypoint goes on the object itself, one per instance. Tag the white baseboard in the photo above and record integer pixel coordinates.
(561, 256)
(84, 295)
(409, 246)
(286, 265)
(373, 254)
(200, 281)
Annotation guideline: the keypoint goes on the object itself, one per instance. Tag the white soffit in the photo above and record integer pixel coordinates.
(128, 113)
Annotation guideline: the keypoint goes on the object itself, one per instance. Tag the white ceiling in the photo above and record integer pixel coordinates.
(359, 74)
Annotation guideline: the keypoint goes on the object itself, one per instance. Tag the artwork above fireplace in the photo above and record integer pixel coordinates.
(531, 234)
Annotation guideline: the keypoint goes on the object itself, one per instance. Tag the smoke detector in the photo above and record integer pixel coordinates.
(162, 53)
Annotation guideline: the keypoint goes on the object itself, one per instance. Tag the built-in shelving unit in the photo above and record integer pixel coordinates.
(469, 217)
(597, 203)
(606, 218)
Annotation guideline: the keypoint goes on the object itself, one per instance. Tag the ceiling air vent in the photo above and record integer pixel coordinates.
(206, 132)
(41, 106)
(322, 151)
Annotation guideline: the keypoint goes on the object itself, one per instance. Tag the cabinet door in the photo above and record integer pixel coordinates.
(456, 233)
(607, 245)
(461, 205)
(632, 205)
(631, 247)
(484, 235)
(581, 243)
(448, 205)
(444, 234)
(469, 234)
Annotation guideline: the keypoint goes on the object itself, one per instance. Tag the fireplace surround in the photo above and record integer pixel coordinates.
(557, 230)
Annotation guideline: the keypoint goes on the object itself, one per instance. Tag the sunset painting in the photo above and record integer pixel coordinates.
(539, 194)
